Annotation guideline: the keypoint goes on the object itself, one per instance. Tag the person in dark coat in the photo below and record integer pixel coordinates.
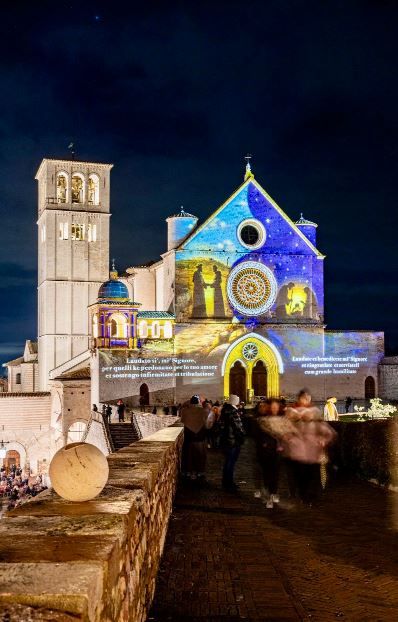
(231, 440)
(196, 421)
(121, 407)
(268, 454)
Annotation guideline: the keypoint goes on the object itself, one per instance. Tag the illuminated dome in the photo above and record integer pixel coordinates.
(113, 289)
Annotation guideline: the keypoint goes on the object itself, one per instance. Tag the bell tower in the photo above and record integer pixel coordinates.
(73, 256)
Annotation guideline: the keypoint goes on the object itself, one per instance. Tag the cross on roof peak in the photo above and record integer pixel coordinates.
(248, 170)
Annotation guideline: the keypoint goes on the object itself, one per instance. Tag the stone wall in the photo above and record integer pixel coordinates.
(98, 560)
(368, 449)
(388, 378)
(149, 424)
(96, 434)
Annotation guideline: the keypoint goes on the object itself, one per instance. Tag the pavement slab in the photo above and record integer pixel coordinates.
(229, 558)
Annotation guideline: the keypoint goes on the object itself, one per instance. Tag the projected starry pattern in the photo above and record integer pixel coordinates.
(250, 351)
(251, 288)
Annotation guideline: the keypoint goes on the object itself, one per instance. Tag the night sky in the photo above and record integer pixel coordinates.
(174, 94)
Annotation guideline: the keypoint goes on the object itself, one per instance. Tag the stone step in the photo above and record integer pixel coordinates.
(123, 434)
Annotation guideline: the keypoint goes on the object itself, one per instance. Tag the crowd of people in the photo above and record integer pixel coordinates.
(294, 438)
(17, 487)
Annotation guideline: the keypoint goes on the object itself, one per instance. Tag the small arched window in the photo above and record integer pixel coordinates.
(168, 330)
(62, 188)
(118, 326)
(143, 329)
(93, 189)
(18, 378)
(155, 330)
(77, 188)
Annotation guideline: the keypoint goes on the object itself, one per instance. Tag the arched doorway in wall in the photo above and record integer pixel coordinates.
(261, 362)
(237, 380)
(259, 379)
(370, 388)
(144, 395)
(13, 458)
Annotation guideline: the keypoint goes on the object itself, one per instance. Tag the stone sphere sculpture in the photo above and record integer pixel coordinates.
(79, 471)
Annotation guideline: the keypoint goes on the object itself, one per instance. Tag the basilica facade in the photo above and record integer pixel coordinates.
(240, 300)
(234, 305)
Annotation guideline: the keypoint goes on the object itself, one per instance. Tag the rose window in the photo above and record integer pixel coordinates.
(251, 288)
(250, 351)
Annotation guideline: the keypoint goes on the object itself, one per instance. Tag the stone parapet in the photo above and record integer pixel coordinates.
(97, 560)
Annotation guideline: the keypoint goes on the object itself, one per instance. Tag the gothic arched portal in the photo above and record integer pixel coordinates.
(259, 361)
(259, 379)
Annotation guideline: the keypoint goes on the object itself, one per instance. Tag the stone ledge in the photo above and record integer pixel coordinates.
(97, 560)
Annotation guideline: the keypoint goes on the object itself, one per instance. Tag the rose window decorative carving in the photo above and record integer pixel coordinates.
(251, 288)
(250, 351)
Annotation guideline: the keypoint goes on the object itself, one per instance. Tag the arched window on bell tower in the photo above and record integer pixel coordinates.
(77, 188)
(62, 187)
(93, 189)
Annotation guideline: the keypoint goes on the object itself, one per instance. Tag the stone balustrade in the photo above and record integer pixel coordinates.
(97, 560)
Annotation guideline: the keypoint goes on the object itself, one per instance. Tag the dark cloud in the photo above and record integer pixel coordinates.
(174, 94)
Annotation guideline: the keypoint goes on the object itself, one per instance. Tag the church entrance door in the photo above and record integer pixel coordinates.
(370, 388)
(259, 379)
(12, 459)
(144, 395)
(237, 380)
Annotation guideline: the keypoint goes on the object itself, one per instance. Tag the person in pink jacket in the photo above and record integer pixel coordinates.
(304, 444)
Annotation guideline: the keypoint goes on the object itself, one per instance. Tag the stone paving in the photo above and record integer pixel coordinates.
(227, 557)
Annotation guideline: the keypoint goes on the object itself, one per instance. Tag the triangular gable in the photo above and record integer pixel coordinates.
(244, 199)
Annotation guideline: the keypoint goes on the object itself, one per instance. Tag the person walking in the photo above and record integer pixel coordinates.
(196, 421)
(268, 454)
(109, 413)
(121, 407)
(231, 440)
(305, 445)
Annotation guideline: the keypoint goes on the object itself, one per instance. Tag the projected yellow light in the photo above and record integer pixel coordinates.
(298, 299)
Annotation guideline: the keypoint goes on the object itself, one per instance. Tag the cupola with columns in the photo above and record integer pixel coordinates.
(114, 315)
(117, 322)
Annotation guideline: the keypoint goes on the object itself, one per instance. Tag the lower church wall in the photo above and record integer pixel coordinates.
(213, 359)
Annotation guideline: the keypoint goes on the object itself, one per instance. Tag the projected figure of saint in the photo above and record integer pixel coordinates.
(310, 307)
(219, 309)
(198, 298)
(283, 299)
